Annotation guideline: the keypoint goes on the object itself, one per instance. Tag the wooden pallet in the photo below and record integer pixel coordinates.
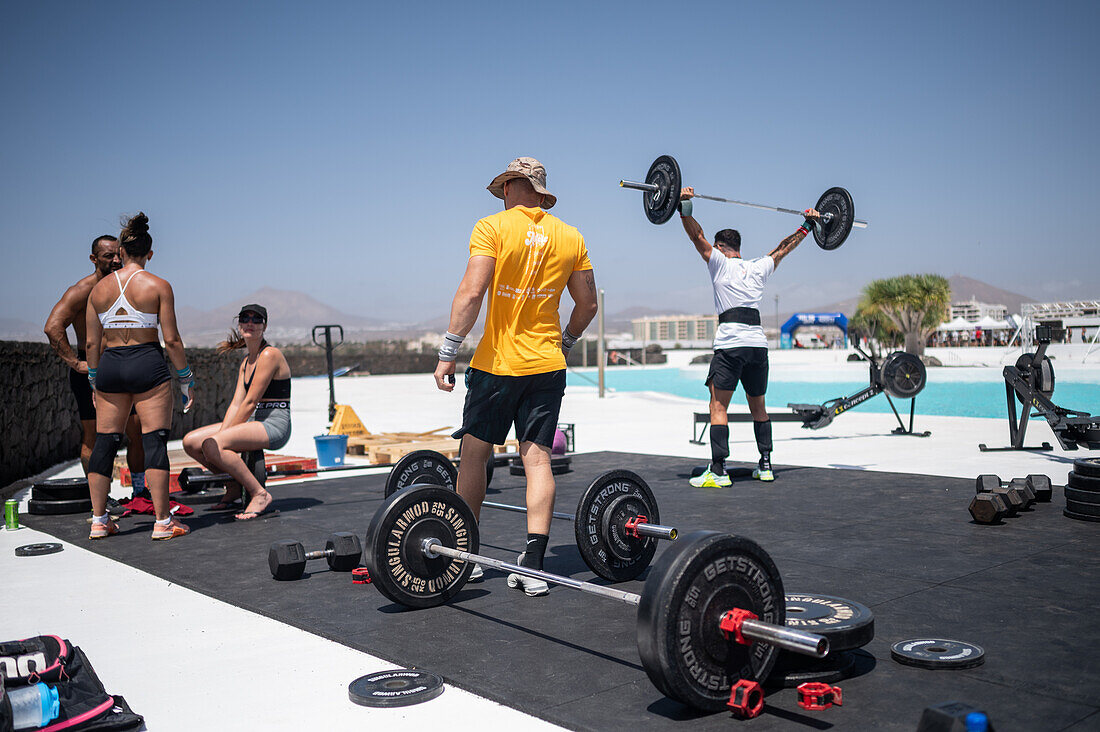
(363, 445)
(448, 447)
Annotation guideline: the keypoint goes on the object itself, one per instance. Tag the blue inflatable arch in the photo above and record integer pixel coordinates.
(798, 320)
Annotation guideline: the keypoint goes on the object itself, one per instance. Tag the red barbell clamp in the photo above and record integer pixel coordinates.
(746, 699)
(360, 576)
(632, 525)
(731, 623)
(815, 696)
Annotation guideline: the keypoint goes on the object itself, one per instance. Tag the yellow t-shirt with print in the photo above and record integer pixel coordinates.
(535, 255)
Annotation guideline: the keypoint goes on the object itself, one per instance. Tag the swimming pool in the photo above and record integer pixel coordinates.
(946, 398)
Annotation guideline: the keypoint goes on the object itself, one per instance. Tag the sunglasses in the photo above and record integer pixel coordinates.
(254, 319)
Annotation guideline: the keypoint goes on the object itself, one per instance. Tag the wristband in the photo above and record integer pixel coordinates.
(91, 376)
(568, 340)
(448, 350)
(184, 373)
(685, 208)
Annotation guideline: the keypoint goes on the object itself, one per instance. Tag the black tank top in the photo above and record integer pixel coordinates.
(278, 389)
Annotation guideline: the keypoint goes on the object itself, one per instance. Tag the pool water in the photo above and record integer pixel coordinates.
(941, 398)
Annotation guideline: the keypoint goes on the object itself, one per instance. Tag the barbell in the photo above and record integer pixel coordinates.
(711, 613)
(661, 197)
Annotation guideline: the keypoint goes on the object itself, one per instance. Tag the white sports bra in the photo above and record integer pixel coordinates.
(124, 315)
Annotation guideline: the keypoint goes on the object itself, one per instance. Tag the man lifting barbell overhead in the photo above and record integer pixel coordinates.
(740, 346)
(525, 258)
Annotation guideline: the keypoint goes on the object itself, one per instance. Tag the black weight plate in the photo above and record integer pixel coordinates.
(419, 468)
(792, 669)
(846, 624)
(903, 375)
(56, 508)
(37, 550)
(605, 507)
(398, 687)
(838, 202)
(1041, 379)
(185, 484)
(937, 653)
(558, 464)
(490, 467)
(694, 583)
(1080, 495)
(665, 174)
(1083, 481)
(395, 560)
(1079, 516)
(1084, 509)
(1089, 467)
(61, 489)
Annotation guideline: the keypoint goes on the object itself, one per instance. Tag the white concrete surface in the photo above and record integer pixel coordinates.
(187, 661)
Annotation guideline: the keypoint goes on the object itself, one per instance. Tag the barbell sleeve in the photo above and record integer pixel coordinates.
(647, 187)
(656, 531)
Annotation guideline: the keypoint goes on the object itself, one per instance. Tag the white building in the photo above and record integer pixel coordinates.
(973, 311)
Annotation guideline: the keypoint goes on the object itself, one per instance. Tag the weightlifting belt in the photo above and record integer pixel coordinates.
(745, 316)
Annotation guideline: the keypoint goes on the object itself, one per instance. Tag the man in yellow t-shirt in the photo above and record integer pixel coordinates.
(524, 258)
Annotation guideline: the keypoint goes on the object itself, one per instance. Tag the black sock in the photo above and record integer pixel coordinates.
(536, 549)
(765, 461)
(763, 432)
(719, 448)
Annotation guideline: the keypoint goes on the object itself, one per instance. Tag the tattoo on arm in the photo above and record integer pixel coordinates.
(787, 246)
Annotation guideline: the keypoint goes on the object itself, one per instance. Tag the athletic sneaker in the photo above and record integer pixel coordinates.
(102, 531)
(763, 471)
(477, 574)
(531, 587)
(171, 531)
(709, 479)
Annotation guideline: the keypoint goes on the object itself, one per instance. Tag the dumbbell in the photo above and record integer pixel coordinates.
(1016, 493)
(988, 508)
(1039, 485)
(287, 559)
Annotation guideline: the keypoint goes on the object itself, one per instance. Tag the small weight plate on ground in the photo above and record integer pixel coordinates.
(846, 624)
(694, 583)
(395, 560)
(184, 480)
(558, 464)
(56, 508)
(1080, 495)
(937, 653)
(665, 174)
(1083, 481)
(792, 669)
(838, 202)
(397, 687)
(37, 550)
(903, 375)
(1079, 516)
(61, 489)
(419, 468)
(1085, 509)
(1087, 466)
(600, 525)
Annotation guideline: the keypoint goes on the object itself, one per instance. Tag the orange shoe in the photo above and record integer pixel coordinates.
(102, 531)
(171, 531)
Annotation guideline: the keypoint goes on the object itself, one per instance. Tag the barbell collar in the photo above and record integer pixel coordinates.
(432, 548)
(656, 531)
(799, 641)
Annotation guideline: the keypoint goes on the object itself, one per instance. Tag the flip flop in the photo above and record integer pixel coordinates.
(253, 515)
(226, 505)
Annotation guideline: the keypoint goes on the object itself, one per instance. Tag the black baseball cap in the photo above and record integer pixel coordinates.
(258, 309)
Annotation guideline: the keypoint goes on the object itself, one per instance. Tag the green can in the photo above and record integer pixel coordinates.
(11, 514)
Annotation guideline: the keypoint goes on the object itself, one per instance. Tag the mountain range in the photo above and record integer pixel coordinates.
(293, 315)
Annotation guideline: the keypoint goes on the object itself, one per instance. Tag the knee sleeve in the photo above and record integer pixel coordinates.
(719, 443)
(156, 449)
(102, 460)
(763, 432)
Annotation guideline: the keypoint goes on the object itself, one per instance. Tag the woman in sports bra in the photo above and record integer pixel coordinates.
(126, 367)
(258, 418)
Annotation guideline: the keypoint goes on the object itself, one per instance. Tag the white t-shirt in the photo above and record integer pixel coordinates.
(738, 284)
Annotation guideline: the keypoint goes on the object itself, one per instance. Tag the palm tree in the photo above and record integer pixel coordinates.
(914, 304)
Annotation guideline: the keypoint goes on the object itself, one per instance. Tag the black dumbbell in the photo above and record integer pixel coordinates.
(287, 559)
(1015, 493)
(988, 508)
(1038, 485)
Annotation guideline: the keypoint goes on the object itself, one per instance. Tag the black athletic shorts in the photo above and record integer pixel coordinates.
(495, 403)
(747, 365)
(82, 390)
(132, 369)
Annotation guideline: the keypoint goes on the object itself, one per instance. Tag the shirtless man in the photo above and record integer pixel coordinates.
(70, 310)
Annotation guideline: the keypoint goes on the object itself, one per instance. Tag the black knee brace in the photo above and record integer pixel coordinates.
(156, 449)
(719, 445)
(102, 460)
(763, 431)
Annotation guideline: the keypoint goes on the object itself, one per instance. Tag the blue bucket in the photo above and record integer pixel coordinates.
(331, 450)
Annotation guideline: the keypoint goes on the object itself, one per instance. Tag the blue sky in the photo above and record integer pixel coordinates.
(342, 149)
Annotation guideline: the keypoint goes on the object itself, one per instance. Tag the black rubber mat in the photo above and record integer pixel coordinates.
(1027, 591)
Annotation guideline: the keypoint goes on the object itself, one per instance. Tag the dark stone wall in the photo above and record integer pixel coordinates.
(39, 426)
(375, 357)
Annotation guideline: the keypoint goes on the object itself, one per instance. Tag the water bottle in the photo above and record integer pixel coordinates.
(33, 706)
